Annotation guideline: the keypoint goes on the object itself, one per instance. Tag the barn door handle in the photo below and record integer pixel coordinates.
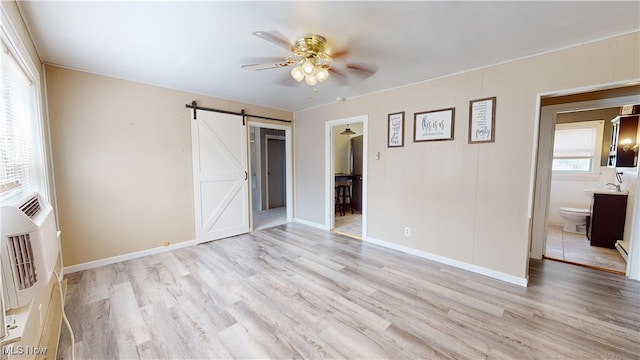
(246, 176)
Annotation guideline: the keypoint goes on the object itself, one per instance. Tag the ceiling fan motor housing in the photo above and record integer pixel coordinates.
(312, 48)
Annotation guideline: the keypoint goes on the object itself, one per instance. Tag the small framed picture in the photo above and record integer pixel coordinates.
(433, 125)
(482, 120)
(395, 130)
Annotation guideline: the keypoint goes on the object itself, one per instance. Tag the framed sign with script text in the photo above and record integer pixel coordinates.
(395, 130)
(482, 120)
(433, 125)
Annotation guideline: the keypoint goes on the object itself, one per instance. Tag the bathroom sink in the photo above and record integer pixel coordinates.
(590, 192)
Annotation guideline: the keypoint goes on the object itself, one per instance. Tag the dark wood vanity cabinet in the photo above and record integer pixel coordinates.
(606, 223)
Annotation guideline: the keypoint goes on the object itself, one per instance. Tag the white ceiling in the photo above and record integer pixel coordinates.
(200, 46)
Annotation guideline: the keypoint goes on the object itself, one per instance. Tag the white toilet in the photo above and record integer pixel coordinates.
(575, 219)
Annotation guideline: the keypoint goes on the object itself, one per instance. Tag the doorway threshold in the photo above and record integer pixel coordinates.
(346, 234)
(585, 265)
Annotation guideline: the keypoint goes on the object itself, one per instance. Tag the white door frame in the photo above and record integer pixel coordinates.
(541, 168)
(258, 167)
(289, 163)
(266, 160)
(329, 169)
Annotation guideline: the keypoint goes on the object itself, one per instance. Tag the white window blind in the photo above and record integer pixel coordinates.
(575, 147)
(17, 123)
(574, 143)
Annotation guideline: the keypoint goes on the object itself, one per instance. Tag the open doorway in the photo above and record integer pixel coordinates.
(580, 154)
(270, 162)
(556, 189)
(346, 176)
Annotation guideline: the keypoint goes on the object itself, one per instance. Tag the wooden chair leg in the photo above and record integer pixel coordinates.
(342, 192)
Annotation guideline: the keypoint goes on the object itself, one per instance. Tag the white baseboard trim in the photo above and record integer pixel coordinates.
(125, 257)
(312, 224)
(455, 263)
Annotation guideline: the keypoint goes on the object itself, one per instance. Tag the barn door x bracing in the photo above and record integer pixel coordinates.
(221, 193)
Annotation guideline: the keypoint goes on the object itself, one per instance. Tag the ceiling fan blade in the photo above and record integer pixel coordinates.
(274, 37)
(339, 54)
(338, 76)
(264, 66)
(362, 70)
(264, 60)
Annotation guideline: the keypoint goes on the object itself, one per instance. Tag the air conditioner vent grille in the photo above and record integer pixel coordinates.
(31, 207)
(22, 260)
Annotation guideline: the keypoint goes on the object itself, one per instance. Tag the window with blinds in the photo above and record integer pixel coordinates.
(20, 145)
(576, 148)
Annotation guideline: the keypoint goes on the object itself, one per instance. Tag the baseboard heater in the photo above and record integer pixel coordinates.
(623, 248)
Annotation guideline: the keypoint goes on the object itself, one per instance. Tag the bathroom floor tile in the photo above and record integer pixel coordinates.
(576, 248)
(554, 253)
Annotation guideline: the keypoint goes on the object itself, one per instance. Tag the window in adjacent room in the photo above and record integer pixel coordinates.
(577, 147)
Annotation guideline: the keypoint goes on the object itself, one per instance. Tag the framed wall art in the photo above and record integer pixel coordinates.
(395, 130)
(433, 125)
(482, 120)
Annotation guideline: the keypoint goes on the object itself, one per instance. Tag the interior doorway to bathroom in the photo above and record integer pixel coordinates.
(270, 166)
(580, 154)
(555, 189)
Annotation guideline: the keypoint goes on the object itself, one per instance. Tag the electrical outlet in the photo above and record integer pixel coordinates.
(407, 231)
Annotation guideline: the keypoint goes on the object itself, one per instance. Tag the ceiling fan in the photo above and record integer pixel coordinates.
(310, 58)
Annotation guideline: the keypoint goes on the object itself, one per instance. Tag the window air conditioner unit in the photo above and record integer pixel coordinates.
(29, 248)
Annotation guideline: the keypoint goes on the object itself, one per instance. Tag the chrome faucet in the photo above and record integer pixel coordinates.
(614, 185)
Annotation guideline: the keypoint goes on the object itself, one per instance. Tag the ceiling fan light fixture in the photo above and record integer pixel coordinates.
(297, 74)
(311, 80)
(308, 68)
(322, 74)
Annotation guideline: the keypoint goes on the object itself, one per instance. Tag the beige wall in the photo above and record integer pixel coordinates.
(466, 202)
(122, 159)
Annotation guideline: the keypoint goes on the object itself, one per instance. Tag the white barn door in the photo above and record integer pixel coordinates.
(221, 192)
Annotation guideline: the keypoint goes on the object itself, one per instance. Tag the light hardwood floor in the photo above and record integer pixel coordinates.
(293, 291)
